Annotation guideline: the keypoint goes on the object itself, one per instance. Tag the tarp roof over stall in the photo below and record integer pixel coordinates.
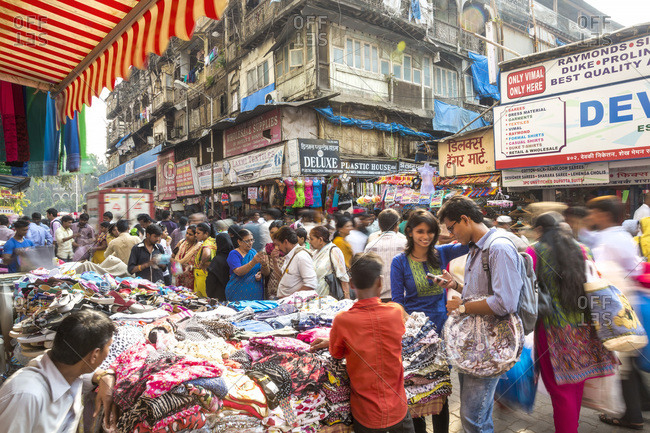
(78, 47)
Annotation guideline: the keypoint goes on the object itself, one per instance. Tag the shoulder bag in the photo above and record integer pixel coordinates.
(336, 289)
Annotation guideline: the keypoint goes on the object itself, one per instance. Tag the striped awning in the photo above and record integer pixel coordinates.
(78, 47)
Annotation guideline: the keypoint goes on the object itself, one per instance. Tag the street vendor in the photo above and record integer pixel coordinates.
(369, 337)
(46, 395)
(16, 245)
(143, 262)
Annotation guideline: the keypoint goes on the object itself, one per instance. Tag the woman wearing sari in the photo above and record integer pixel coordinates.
(246, 270)
(101, 243)
(185, 256)
(203, 257)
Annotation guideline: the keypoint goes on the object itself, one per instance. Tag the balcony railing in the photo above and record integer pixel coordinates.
(163, 99)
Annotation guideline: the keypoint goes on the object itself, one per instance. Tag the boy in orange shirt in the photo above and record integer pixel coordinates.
(369, 337)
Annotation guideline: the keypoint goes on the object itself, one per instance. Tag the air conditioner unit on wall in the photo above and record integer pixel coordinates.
(273, 97)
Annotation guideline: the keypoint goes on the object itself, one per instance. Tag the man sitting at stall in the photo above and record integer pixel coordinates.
(46, 395)
(369, 337)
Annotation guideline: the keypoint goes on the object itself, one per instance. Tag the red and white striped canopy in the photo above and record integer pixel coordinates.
(81, 46)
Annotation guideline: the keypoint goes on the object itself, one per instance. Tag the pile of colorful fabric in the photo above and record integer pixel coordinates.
(244, 367)
(426, 373)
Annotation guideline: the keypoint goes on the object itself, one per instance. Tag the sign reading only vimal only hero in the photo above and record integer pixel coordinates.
(590, 105)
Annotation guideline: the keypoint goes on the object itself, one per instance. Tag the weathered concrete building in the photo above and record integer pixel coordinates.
(265, 76)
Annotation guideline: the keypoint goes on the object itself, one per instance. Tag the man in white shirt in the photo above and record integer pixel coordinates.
(298, 271)
(387, 245)
(46, 395)
(64, 238)
(358, 238)
(643, 210)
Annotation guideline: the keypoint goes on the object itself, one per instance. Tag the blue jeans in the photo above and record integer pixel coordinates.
(476, 403)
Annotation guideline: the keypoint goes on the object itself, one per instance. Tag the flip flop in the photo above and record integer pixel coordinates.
(617, 422)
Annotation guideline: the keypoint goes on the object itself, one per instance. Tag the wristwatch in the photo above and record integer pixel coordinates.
(461, 308)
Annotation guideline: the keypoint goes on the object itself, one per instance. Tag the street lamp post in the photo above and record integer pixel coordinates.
(183, 85)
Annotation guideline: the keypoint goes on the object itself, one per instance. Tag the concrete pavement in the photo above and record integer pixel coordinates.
(516, 421)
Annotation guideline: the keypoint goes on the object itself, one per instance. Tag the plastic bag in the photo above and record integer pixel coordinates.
(518, 386)
(604, 394)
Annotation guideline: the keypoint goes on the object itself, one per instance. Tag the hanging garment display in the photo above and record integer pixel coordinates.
(427, 172)
(309, 192)
(317, 190)
(300, 194)
(290, 198)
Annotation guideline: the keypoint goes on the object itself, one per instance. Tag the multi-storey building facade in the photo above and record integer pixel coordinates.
(256, 79)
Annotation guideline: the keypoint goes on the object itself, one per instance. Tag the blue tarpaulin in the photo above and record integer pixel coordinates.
(121, 140)
(396, 128)
(452, 118)
(481, 78)
(258, 98)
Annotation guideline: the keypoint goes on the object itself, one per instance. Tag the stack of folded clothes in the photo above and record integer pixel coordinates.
(426, 373)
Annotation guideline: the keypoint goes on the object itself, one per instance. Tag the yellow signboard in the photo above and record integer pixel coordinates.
(469, 153)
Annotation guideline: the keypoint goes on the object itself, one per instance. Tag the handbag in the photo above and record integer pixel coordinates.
(616, 323)
(482, 345)
(336, 289)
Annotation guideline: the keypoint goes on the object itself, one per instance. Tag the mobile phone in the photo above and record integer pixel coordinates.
(436, 278)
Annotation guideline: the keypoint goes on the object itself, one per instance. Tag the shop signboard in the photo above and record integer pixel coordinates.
(253, 167)
(609, 63)
(629, 175)
(187, 183)
(368, 168)
(605, 124)
(408, 167)
(166, 175)
(205, 177)
(262, 131)
(559, 176)
(319, 156)
(470, 154)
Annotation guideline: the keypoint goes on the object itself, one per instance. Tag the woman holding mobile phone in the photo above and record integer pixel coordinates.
(412, 287)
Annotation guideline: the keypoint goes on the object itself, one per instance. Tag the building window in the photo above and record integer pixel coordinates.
(375, 60)
(366, 57)
(469, 89)
(417, 76)
(397, 71)
(445, 82)
(235, 101)
(350, 48)
(385, 67)
(407, 68)
(338, 55)
(258, 77)
(427, 72)
(361, 55)
(357, 54)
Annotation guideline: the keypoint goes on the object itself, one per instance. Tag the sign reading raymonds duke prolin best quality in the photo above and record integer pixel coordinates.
(256, 133)
(604, 124)
(319, 156)
(368, 168)
(609, 63)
